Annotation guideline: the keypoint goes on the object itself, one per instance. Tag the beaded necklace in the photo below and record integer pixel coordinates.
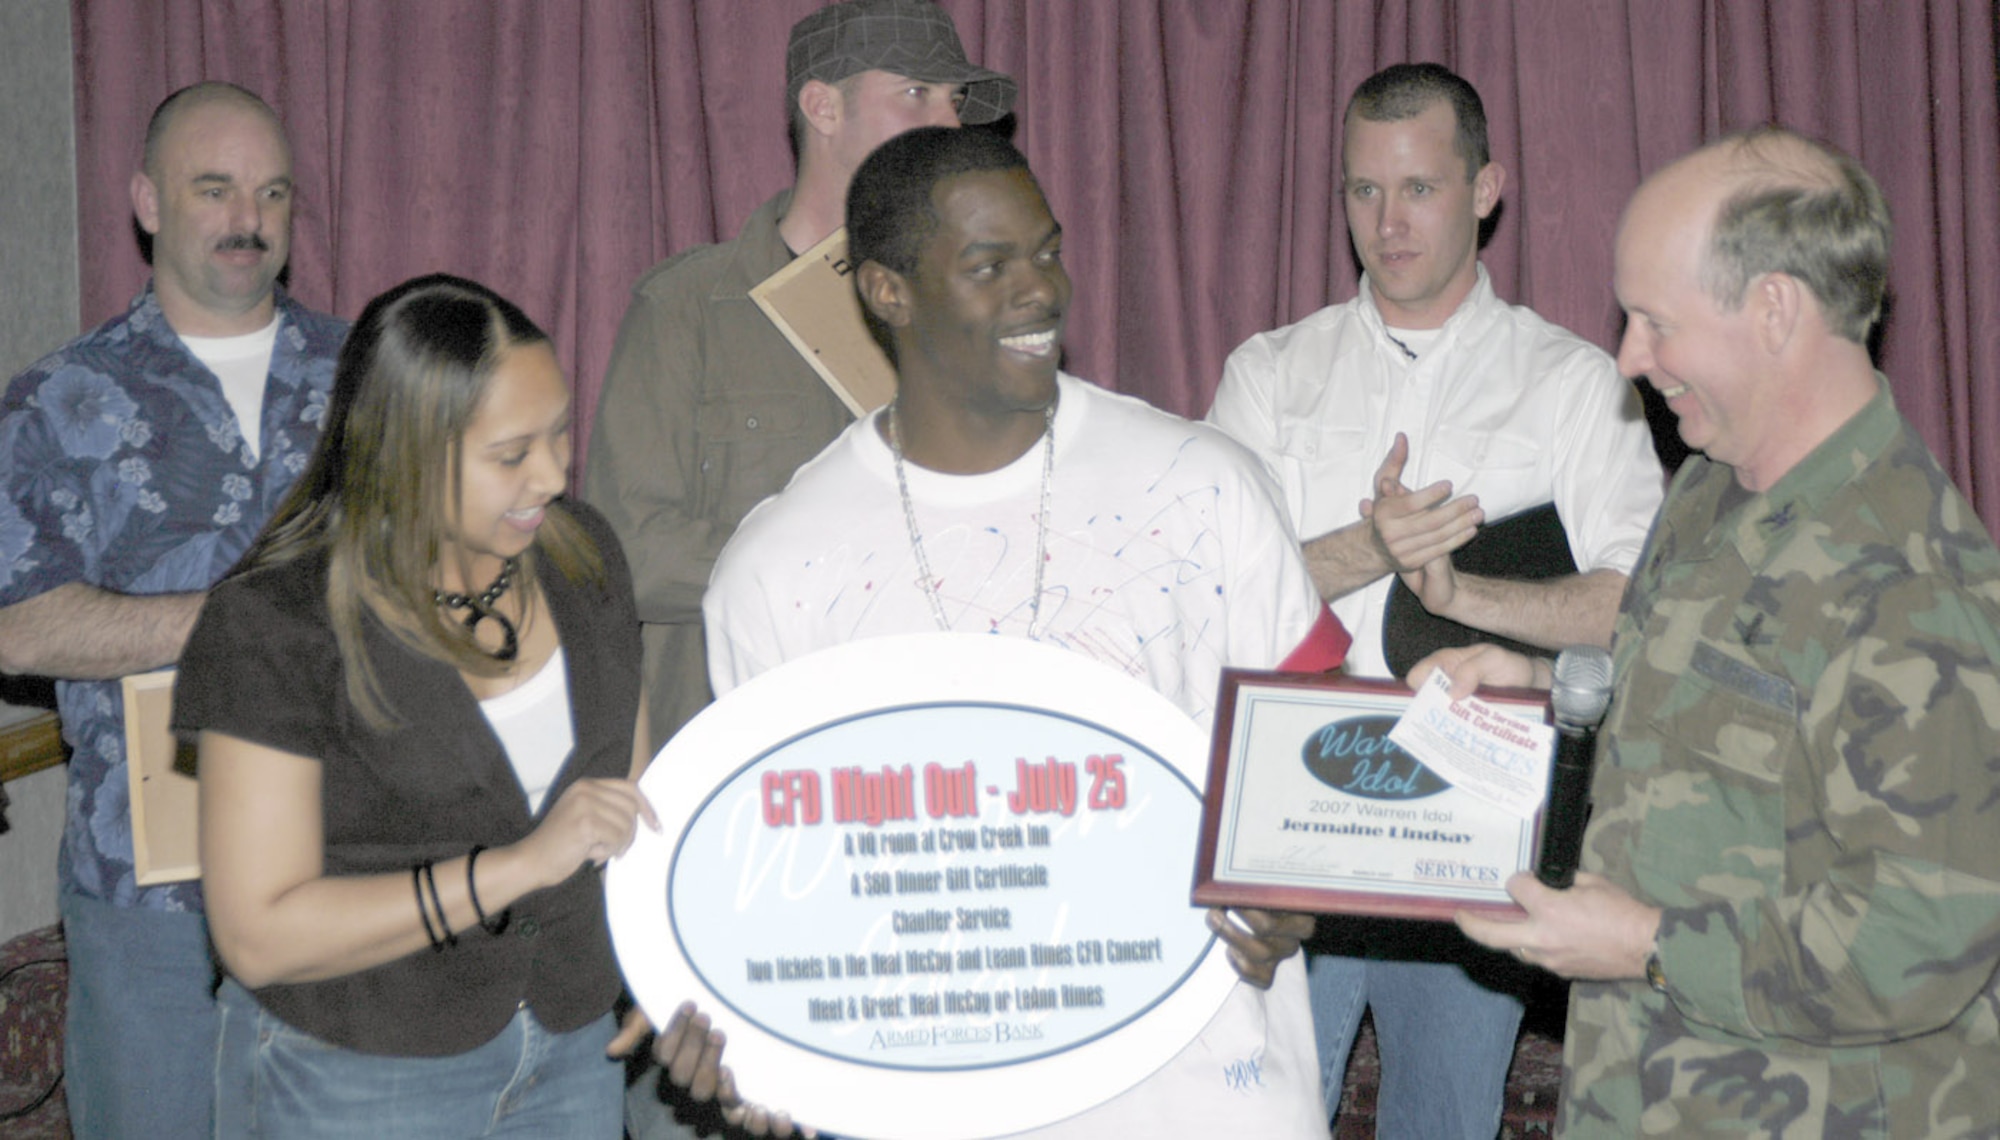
(480, 607)
(925, 578)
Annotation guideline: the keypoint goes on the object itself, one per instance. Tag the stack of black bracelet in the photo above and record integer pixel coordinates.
(423, 877)
(489, 925)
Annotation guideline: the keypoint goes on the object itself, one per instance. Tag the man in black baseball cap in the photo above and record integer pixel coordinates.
(860, 73)
(706, 407)
(910, 38)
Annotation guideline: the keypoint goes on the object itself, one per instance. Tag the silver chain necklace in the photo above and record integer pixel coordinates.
(928, 582)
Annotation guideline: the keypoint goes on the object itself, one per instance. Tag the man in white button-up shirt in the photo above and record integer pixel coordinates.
(1399, 424)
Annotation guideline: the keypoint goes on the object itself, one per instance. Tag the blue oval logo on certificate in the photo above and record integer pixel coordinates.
(1356, 756)
(927, 870)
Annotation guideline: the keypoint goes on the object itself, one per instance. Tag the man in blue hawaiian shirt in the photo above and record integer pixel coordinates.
(136, 464)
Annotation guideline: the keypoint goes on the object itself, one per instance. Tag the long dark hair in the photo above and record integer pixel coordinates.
(380, 491)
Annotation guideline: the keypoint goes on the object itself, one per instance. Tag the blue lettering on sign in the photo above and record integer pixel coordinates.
(1357, 757)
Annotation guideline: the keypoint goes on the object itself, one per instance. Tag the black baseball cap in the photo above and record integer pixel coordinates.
(909, 37)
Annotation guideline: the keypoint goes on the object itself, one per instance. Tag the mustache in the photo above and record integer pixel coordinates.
(235, 242)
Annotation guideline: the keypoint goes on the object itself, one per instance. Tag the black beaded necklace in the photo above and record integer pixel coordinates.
(481, 607)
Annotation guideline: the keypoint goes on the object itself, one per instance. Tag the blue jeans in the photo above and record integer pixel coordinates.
(1445, 1040)
(276, 1081)
(139, 1040)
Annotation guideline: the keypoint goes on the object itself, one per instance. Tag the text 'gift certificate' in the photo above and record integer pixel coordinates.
(1477, 747)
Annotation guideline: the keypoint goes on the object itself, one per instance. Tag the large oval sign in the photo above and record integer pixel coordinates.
(957, 918)
(911, 874)
(1356, 756)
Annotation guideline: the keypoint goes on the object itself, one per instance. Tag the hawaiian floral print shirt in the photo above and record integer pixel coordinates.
(122, 466)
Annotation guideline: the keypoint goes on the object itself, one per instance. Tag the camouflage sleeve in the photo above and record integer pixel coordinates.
(1881, 916)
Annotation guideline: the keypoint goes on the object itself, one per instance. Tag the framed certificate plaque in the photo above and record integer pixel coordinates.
(1311, 807)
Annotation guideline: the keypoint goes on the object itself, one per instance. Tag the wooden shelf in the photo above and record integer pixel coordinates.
(29, 746)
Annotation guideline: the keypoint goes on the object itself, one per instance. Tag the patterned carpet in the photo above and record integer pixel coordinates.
(1533, 1083)
(33, 978)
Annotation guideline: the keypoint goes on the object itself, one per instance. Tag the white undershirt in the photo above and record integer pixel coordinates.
(242, 363)
(532, 722)
(1416, 342)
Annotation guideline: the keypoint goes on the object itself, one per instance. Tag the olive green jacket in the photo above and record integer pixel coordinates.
(706, 410)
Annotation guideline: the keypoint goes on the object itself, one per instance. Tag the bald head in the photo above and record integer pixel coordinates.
(215, 193)
(1771, 201)
(193, 97)
(1750, 272)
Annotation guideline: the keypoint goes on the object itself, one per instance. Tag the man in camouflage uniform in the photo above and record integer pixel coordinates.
(1793, 924)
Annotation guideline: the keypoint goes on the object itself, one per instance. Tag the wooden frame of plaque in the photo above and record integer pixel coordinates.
(165, 824)
(812, 301)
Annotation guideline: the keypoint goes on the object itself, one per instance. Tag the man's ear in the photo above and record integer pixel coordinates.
(1780, 302)
(1486, 187)
(822, 106)
(885, 292)
(145, 202)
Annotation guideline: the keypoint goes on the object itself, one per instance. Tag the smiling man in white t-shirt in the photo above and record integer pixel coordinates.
(997, 494)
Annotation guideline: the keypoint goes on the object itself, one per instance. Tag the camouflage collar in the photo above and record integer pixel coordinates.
(1761, 523)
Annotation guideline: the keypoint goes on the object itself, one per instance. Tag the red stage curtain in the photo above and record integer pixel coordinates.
(557, 148)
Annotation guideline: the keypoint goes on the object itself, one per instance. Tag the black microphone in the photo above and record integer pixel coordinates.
(1581, 693)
